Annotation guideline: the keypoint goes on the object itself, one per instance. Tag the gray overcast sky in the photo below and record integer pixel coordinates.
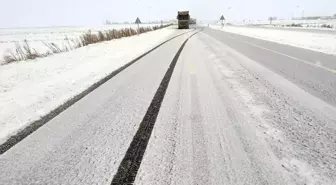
(31, 13)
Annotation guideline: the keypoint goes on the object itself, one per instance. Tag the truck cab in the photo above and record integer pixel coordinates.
(183, 19)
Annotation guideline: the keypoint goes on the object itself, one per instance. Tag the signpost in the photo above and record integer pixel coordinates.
(222, 19)
(137, 21)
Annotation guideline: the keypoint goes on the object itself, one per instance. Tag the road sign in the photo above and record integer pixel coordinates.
(137, 21)
(222, 19)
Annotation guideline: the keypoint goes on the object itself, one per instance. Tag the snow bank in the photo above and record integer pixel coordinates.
(31, 89)
(325, 43)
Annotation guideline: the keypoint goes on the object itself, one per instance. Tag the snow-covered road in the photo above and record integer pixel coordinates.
(228, 120)
(85, 144)
(207, 130)
(227, 117)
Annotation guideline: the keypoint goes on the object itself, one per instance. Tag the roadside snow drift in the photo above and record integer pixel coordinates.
(60, 36)
(325, 43)
(31, 89)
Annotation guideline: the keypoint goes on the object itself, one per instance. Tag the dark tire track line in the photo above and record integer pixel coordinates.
(15, 139)
(131, 162)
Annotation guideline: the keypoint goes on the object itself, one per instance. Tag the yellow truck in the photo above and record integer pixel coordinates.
(183, 19)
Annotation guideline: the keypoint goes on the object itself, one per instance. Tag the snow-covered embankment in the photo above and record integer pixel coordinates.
(320, 42)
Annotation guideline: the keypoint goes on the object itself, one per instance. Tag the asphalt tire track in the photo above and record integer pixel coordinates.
(131, 162)
(13, 140)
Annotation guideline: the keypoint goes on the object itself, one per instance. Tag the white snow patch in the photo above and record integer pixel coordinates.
(31, 89)
(320, 42)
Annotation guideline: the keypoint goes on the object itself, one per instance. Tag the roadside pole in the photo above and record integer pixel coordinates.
(137, 21)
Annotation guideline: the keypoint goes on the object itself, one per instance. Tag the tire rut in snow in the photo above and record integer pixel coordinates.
(130, 164)
(13, 140)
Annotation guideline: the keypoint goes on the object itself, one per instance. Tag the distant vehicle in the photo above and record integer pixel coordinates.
(192, 21)
(183, 19)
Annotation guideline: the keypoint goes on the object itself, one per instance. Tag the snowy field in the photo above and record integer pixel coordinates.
(325, 43)
(30, 90)
(310, 24)
(61, 36)
(306, 24)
